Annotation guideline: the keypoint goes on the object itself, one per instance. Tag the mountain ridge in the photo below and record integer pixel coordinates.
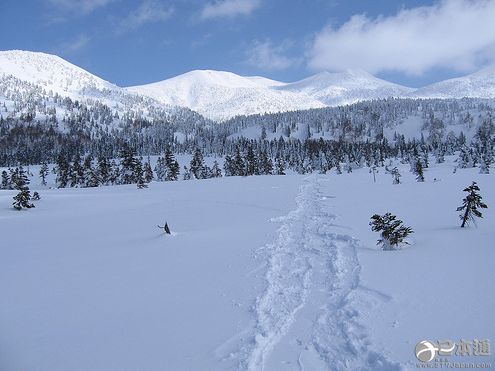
(220, 95)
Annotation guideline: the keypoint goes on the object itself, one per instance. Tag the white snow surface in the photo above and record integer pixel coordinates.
(52, 73)
(260, 273)
(221, 95)
(480, 84)
(351, 86)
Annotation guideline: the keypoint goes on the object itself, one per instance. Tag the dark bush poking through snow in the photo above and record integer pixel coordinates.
(392, 230)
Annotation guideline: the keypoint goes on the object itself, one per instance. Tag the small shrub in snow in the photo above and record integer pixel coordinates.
(470, 205)
(391, 229)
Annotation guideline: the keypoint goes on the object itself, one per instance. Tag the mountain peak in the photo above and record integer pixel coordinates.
(50, 71)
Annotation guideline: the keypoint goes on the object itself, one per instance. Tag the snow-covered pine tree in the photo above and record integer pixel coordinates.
(196, 166)
(77, 172)
(104, 170)
(228, 166)
(187, 174)
(238, 166)
(391, 230)
(148, 172)
(266, 164)
(114, 173)
(21, 182)
(395, 175)
(252, 166)
(91, 178)
(485, 165)
(139, 176)
(216, 172)
(6, 182)
(128, 164)
(160, 169)
(172, 166)
(62, 171)
(418, 170)
(205, 172)
(44, 173)
(280, 165)
(470, 205)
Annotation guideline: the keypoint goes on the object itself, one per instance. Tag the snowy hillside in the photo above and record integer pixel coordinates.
(215, 94)
(221, 95)
(351, 86)
(52, 73)
(260, 273)
(477, 85)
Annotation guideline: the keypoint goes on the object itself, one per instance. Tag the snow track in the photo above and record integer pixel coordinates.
(307, 317)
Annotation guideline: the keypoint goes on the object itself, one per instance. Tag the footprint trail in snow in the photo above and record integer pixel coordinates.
(307, 318)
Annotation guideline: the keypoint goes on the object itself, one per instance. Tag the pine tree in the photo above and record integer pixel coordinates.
(88, 173)
(266, 164)
(76, 172)
(44, 173)
(172, 166)
(228, 166)
(196, 167)
(161, 169)
(6, 182)
(148, 172)
(187, 174)
(238, 164)
(21, 182)
(128, 165)
(392, 230)
(139, 176)
(62, 171)
(104, 170)
(252, 167)
(418, 171)
(395, 175)
(280, 165)
(470, 205)
(91, 178)
(216, 172)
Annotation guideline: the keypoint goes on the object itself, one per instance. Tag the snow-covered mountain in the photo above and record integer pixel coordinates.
(480, 84)
(52, 73)
(34, 83)
(221, 95)
(215, 94)
(351, 86)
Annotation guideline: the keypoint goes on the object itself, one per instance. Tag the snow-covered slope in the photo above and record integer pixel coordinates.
(480, 84)
(51, 73)
(215, 94)
(281, 276)
(221, 95)
(347, 87)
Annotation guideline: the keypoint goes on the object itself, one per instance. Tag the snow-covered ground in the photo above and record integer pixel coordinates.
(261, 273)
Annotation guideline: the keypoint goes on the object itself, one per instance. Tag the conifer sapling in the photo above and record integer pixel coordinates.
(392, 230)
(470, 205)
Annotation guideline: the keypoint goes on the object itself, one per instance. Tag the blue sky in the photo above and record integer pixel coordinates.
(413, 42)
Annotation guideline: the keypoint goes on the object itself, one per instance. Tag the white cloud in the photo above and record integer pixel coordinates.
(148, 12)
(456, 34)
(79, 43)
(83, 7)
(264, 55)
(229, 8)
